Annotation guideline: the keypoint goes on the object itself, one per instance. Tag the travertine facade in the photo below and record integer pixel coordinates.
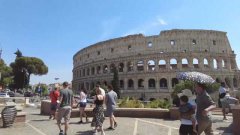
(148, 65)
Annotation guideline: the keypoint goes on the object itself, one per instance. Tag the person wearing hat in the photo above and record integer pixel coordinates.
(187, 113)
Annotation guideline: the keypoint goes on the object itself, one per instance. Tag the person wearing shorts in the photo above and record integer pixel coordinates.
(54, 97)
(111, 102)
(83, 104)
(64, 110)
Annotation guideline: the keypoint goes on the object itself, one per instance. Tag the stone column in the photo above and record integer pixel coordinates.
(156, 65)
(201, 63)
(145, 65)
(168, 64)
(210, 63)
(179, 64)
(135, 83)
(125, 67)
(219, 64)
(190, 62)
(169, 83)
(125, 83)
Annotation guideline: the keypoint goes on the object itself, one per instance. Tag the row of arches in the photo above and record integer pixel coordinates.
(151, 83)
(152, 65)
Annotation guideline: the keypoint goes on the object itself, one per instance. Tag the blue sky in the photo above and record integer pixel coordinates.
(54, 30)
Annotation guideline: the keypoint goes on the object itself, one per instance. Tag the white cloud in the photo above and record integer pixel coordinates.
(148, 27)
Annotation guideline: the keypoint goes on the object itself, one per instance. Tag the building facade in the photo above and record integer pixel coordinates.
(147, 65)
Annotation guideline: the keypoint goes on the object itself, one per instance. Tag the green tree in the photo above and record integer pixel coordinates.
(6, 74)
(115, 82)
(24, 67)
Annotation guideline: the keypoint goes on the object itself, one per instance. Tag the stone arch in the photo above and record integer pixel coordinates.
(151, 65)
(163, 83)
(173, 63)
(151, 83)
(105, 69)
(228, 81)
(93, 71)
(215, 64)
(87, 86)
(223, 64)
(162, 64)
(112, 67)
(195, 63)
(184, 63)
(98, 69)
(235, 83)
(120, 67)
(205, 63)
(121, 84)
(140, 83)
(140, 65)
(92, 85)
(88, 71)
(84, 72)
(130, 84)
(174, 81)
(130, 66)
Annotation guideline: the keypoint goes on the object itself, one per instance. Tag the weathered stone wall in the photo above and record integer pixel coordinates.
(148, 64)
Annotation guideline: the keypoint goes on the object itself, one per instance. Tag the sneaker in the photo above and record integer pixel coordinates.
(50, 117)
(110, 128)
(80, 122)
(115, 124)
(61, 132)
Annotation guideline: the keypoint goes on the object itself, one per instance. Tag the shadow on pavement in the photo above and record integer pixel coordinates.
(89, 132)
(42, 120)
(226, 129)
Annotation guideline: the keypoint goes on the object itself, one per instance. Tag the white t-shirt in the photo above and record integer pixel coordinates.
(83, 97)
(186, 121)
(222, 90)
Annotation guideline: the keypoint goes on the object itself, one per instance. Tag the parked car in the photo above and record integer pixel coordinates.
(4, 94)
(11, 94)
(28, 94)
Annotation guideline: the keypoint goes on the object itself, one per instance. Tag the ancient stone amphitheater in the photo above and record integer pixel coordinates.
(147, 65)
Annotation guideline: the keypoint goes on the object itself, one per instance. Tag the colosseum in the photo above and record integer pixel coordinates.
(147, 65)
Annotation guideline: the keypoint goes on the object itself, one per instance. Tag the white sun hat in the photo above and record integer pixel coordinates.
(186, 92)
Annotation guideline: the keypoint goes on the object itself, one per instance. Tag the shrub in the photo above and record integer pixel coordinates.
(127, 103)
(158, 104)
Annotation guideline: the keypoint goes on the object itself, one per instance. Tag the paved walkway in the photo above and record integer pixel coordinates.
(40, 125)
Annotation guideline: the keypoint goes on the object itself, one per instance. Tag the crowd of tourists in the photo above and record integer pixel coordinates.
(62, 102)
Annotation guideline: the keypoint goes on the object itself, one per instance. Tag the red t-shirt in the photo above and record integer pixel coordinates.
(54, 96)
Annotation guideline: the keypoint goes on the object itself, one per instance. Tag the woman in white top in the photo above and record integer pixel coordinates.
(83, 104)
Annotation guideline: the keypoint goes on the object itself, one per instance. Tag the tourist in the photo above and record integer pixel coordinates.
(64, 110)
(226, 101)
(111, 102)
(83, 104)
(54, 94)
(187, 113)
(205, 104)
(98, 112)
(222, 92)
(101, 89)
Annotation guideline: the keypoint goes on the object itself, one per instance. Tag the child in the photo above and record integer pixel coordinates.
(187, 111)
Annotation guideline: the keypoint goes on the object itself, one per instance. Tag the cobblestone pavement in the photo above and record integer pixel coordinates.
(40, 125)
